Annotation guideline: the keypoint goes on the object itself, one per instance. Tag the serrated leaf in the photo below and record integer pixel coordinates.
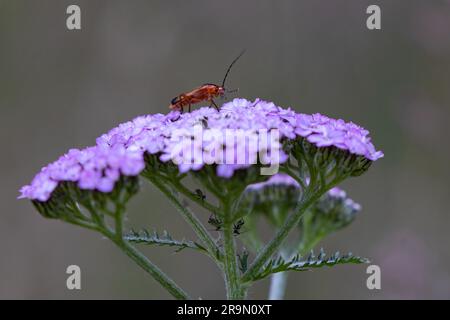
(298, 263)
(154, 238)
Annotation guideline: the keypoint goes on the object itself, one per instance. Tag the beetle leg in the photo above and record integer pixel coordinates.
(189, 107)
(215, 105)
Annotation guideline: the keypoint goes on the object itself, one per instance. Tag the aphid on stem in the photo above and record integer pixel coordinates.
(200, 195)
(206, 92)
(237, 227)
(215, 222)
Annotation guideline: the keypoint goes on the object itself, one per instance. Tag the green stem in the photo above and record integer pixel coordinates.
(232, 279)
(120, 211)
(116, 237)
(281, 235)
(294, 176)
(83, 224)
(193, 221)
(148, 266)
(138, 257)
(202, 203)
(235, 290)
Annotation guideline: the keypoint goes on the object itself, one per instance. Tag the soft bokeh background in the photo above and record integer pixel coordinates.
(61, 89)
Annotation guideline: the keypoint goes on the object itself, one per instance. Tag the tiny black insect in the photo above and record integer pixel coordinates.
(204, 122)
(199, 194)
(237, 227)
(215, 222)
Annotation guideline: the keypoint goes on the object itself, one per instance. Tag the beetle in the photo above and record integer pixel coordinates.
(206, 92)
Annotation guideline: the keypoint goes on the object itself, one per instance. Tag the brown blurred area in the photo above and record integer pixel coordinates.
(61, 89)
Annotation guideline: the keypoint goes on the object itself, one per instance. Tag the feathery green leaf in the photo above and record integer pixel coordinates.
(154, 238)
(299, 263)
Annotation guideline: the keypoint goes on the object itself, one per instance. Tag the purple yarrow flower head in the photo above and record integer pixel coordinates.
(93, 168)
(323, 131)
(273, 198)
(277, 196)
(238, 136)
(337, 193)
(285, 180)
(279, 179)
(40, 188)
(340, 196)
(334, 211)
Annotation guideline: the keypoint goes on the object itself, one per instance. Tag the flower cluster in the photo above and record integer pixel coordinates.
(323, 131)
(277, 198)
(93, 168)
(280, 193)
(333, 212)
(274, 198)
(176, 137)
(280, 180)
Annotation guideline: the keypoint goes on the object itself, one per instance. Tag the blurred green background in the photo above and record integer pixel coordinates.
(61, 89)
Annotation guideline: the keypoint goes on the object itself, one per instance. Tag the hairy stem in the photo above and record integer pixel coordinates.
(149, 267)
(117, 238)
(281, 235)
(235, 290)
(202, 203)
(192, 220)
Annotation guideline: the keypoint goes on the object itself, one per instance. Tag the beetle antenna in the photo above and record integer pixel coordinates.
(229, 68)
